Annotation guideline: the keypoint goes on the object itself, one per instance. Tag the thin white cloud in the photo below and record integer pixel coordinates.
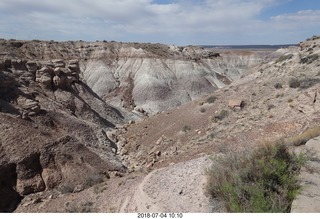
(180, 22)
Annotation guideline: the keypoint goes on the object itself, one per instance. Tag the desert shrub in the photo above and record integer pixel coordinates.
(270, 106)
(304, 137)
(284, 57)
(279, 95)
(66, 188)
(211, 99)
(314, 37)
(221, 115)
(99, 188)
(86, 207)
(308, 82)
(294, 83)
(309, 59)
(264, 180)
(186, 128)
(93, 180)
(278, 85)
(303, 83)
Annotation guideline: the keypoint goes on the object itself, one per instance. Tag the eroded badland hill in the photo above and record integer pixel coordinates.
(128, 127)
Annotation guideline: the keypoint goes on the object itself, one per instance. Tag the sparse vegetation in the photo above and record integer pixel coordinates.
(99, 188)
(314, 37)
(186, 128)
(271, 106)
(284, 58)
(278, 85)
(221, 115)
(93, 180)
(303, 83)
(211, 99)
(308, 82)
(264, 180)
(294, 83)
(279, 95)
(86, 207)
(309, 59)
(66, 188)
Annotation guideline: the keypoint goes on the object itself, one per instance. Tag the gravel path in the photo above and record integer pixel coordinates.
(308, 201)
(176, 188)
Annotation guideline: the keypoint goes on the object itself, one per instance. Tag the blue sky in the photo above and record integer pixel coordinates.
(179, 22)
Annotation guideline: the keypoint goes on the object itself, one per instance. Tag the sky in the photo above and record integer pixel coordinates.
(178, 22)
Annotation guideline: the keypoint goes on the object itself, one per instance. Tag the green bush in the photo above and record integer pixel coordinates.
(264, 180)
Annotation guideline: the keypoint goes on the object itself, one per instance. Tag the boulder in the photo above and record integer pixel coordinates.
(236, 104)
(10, 198)
(46, 69)
(32, 185)
(32, 66)
(31, 107)
(74, 61)
(66, 71)
(61, 81)
(74, 65)
(30, 103)
(18, 64)
(46, 80)
(2, 66)
(51, 177)
(46, 63)
(6, 81)
(58, 63)
(27, 77)
(29, 178)
(57, 71)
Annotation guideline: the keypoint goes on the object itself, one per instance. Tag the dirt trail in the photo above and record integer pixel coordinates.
(176, 188)
(308, 201)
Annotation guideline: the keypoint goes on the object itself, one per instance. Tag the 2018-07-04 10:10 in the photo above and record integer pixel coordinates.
(160, 215)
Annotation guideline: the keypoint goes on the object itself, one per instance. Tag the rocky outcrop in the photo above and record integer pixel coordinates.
(152, 77)
(54, 74)
(50, 127)
(8, 178)
(29, 178)
(134, 77)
